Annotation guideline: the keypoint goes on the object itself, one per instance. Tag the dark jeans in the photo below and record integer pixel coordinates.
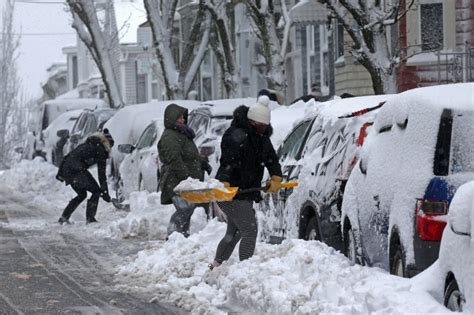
(241, 226)
(181, 218)
(83, 183)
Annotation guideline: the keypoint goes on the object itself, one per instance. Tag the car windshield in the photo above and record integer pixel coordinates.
(462, 138)
(220, 125)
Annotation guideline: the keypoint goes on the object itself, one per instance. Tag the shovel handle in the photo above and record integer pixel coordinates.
(283, 185)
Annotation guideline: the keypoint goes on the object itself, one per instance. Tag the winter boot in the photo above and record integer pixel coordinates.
(213, 265)
(91, 220)
(63, 220)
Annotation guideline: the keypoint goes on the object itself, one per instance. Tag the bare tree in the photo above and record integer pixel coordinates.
(272, 28)
(366, 23)
(9, 85)
(180, 71)
(101, 39)
(221, 43)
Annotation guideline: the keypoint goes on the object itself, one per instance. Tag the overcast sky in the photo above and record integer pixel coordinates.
(45, 28)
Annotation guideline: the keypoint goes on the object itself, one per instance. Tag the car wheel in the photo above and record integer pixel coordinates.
(453, 297)
(350, 245)
(312, 230)
(397, 262)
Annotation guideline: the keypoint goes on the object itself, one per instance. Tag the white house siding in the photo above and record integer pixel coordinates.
(129, 81)
(352, 78)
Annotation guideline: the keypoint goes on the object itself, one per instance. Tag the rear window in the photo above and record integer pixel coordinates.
(462, 143)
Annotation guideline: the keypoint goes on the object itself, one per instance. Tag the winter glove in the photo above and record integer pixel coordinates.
(207, 167)
(105, 196)
(226, 184)
(274, 184)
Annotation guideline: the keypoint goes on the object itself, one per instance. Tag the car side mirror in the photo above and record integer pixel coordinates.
(63, 133)
(126, 148)
(363, 166)
(19, 150)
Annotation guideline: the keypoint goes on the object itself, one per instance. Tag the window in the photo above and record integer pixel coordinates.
(462, 143)
(339, 41)
(147, 138)
(431, 26)
(199, 122)
(291, 146)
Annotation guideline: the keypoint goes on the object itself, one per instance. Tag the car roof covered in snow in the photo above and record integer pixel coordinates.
(225, 107)
(418, 102)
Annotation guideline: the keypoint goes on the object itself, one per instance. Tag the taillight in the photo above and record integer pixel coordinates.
(430, 219)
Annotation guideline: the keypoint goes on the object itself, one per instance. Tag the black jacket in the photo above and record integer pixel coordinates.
(94, 151)
(245, 154)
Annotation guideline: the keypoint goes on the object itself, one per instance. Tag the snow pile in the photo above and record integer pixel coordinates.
(196, 184)
(149, 219)
(294, 277)
(36, 180)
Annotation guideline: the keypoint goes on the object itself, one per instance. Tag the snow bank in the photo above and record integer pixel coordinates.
(294, 277)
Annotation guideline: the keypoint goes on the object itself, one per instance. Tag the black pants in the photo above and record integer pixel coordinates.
(83, 183)
(241, 226)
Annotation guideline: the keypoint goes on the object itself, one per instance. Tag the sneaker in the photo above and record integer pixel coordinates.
(93, 220)
(63, 220)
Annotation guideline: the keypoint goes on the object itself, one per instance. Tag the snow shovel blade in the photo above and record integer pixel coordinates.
(120, 206)
(208, 195)
(216, 194)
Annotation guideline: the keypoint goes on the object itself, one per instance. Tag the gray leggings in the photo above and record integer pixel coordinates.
(241, 225)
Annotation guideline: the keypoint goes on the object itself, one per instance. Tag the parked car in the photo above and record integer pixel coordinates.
(53, 143)
(128, 124)
(319, 153)
(88, 122)
(140, 169)
(420, 150)
(209, 121)
(43, 115)
(457, 252)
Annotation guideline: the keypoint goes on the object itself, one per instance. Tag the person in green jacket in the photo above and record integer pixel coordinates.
(180, 159)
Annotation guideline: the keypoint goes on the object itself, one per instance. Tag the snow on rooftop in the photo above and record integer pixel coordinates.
(130, 14)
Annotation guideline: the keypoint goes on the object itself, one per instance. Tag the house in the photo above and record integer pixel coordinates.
(435, 40)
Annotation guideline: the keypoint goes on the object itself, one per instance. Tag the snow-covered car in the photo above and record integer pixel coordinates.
(456, 254)
(419, 151)
(53, 142)
(210, 121)
(140, 168)
(127, 125)
(319, 153)
(44, 114)
(89, 121)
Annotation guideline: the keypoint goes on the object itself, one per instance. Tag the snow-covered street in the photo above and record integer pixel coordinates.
(128, 253)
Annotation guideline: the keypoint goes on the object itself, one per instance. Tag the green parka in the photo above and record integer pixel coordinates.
(178, 154)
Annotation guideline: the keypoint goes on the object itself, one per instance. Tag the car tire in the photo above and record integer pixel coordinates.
(312, 230)
(397, 261)
(453, 297)
(350, 245)
(119, 191)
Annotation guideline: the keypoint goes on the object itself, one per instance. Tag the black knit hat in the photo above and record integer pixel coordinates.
(108, 136)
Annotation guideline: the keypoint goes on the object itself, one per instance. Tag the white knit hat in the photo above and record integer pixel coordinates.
(260, 111)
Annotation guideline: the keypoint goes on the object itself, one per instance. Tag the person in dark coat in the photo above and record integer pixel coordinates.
(180, 159)
(74, 171)
(246, 150)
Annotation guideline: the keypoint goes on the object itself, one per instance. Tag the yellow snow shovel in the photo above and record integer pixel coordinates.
(222, 194)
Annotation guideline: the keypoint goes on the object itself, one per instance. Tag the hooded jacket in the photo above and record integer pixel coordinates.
(95, 150)
(245, 154)
(178, 154)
